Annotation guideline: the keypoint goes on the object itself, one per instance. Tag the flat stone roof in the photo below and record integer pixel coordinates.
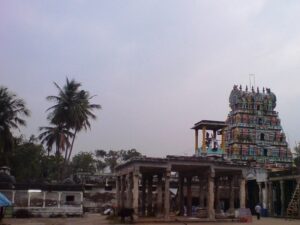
(182, 160)
(209, 125)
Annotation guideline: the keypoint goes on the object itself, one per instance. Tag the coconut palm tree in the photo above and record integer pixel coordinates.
(72, 109)
(58, 136)
(12, 109)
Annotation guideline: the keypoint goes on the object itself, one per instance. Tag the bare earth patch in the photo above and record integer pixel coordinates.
(97, 219)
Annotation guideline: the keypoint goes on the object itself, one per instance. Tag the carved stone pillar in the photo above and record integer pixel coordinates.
(270, 196)
(242, 193)
(159, 202)
(266, 195)
(181, 195)
(211, 195)
(196, 143)
(135, 192)
(217, 197)
(282, 197)
(189, 196)
(118, 191)
(231, 195)
(143, 200)
(122, 197)
(129, 190)
(167, 194)
(149, 196)
(201, 193)
(260, 199)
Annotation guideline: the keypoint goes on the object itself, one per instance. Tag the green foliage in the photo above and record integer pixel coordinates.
(297, 161)
(12, 109)
(297, 154)
(128, 154)
(112, 158)
(297, 149)
(31, 164)
(27, 162)
(51, 167)
(83, 162)
(72, 109)
(57, 136)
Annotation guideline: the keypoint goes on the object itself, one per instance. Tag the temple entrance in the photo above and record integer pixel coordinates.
(253, 194)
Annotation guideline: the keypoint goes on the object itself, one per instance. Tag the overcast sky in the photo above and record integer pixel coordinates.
(157, 67)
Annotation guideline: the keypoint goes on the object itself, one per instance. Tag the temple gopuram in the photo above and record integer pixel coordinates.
(251, 133)
(254, 131)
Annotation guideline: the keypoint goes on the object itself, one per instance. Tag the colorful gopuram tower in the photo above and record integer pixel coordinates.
(254, 131)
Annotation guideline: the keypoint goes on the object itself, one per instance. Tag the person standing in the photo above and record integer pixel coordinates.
(258, 210)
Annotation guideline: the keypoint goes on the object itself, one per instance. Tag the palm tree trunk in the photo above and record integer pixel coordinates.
(71, 148)
(66, 155)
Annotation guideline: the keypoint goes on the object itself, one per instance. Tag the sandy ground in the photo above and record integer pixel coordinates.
(96, 219)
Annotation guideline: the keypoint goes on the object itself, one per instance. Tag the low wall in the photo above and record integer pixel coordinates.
(53, 211)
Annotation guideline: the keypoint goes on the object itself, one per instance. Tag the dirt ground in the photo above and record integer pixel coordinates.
(96, 219)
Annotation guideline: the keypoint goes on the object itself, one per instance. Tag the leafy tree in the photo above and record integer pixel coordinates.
(297, 155)
(83, 162)
(27, 162)
(51, 167)
(12, 109)
(72, 109)
(100, 165)
(112, 158)
(100, 153)
(128, 154)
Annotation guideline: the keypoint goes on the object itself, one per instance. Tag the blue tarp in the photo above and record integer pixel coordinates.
(4, 201)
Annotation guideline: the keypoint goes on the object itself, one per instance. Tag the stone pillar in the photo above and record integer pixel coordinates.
(44, 199)
(260, 197)
(167, 194)
(270, 196)
(217, 197)
(201, 193)
(189, 195)
(204, 140)
(122, 200)
(196, 143)
(129, 190)
(242, 193)
(135, 194)
(266, 195)
(143, 200)
(118, 191)
(223, 140)
(211, 195)
(159, 200)
(282, 198)
(231, 195)
(181, 195)
(59, 200)
(149, 196)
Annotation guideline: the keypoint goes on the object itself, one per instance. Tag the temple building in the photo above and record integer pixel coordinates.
(179, 187)
(252, 134)
(237, 164)
(254, 131)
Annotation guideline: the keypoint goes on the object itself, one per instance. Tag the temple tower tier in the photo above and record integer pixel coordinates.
(253, 132)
